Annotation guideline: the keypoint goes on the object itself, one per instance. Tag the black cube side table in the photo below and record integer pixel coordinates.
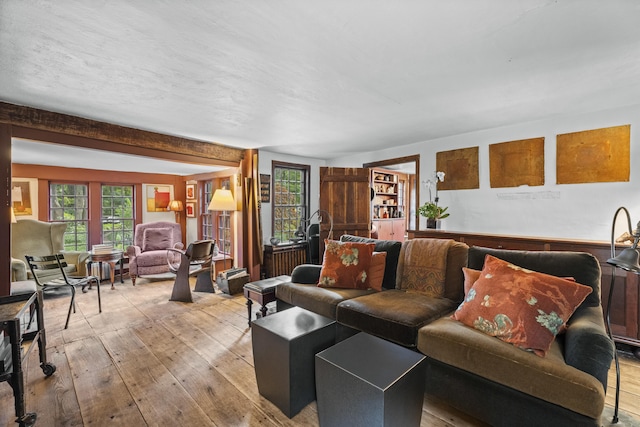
(284, 346)
(367, 381)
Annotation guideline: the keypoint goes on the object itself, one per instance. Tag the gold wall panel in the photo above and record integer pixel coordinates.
(516, 163)
(460, 168)
(599, 155)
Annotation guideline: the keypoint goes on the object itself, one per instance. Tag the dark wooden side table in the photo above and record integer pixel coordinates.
(21, 327)
(263, 292)
(111, 258)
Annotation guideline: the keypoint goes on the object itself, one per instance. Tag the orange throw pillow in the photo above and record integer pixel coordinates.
(522, 307)
(376, 270)
(470, 277)
(346, 265)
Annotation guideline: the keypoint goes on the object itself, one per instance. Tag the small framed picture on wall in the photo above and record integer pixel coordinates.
(191, 209)
(191, 191)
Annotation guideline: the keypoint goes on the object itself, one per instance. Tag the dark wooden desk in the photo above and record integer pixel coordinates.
(21, 327)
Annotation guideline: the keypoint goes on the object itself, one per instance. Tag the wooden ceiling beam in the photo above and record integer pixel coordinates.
(133, 140)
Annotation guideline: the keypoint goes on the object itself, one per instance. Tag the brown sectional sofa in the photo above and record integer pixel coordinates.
(481, 375)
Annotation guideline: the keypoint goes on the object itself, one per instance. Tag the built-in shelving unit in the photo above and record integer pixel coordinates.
(388, 204)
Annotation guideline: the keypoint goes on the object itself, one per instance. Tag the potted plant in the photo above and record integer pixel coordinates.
(433, 213)
(430, 209)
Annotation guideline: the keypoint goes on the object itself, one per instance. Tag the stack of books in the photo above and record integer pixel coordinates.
(102, 248)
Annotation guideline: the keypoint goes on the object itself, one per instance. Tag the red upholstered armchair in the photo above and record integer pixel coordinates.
(148, 254)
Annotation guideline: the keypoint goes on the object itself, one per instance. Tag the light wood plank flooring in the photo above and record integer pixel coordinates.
(147, 361)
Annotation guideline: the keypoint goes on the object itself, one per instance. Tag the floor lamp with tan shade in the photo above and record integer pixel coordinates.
(223, 201)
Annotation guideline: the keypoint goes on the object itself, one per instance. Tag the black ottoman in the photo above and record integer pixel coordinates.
(367, 381)
(284, 347)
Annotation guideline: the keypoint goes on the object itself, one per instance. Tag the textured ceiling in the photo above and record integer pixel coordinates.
(320, 78)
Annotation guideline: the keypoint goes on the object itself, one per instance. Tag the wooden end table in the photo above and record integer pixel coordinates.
(263, 292)
(113, 257)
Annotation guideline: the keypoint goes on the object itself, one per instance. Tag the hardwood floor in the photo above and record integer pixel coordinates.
(147, 361)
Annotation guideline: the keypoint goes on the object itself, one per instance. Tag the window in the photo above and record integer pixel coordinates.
(215, 225)
(223, 225)
(69, 203)
(206, 216)
(117, 215)
(290, 198)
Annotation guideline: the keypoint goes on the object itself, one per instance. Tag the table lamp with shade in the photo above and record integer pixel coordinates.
(176, 206)
(628, 261)
(223, 201)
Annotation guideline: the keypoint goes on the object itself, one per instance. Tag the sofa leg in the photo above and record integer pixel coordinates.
(133, 279)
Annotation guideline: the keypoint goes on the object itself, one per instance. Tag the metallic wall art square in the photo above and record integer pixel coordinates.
(516, 163)
(460, 168)
(599, 155)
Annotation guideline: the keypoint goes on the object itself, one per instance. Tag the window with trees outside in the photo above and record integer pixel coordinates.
(117, 217)
(290, 198)
(206, 216)
(223, 221)
(70, 203)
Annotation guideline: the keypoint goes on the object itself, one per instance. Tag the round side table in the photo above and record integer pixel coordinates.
(111, 258)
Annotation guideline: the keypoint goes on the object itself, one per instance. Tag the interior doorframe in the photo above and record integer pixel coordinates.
(406, 159)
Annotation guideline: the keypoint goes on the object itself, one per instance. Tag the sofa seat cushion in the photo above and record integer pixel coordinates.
(394, 315)
(153, 258)
(548, 378)
(322, 301)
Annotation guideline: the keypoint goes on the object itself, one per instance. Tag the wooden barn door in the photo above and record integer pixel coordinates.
(345, 194)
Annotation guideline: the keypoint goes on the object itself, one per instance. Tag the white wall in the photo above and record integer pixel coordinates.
(264, 167)
(573, 211)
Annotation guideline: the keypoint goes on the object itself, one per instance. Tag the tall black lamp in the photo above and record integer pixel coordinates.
(627, 260)
(313, 239)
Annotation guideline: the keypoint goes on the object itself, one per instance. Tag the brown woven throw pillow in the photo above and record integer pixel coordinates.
(422, 266)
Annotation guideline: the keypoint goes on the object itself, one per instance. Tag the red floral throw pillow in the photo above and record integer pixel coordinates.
(346, 265)
(522, 307)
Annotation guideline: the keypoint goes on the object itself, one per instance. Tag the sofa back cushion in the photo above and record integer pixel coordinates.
(156, 239)
(451, 285)
(32, 237)
(392, 248)
(520, 306)
(583, 267)
(139, 234)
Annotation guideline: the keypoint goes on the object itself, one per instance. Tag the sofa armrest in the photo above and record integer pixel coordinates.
(133, 251)
(587, 344)
(306, 274)
(18, 270)
(79, 259)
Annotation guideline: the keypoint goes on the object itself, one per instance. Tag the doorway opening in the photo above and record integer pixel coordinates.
(409, 166)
